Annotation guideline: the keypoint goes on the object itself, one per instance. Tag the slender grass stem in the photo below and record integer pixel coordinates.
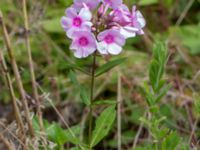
(17, 75)
(12, 93)
(5, 141)
(31, 66)
(91, 97)
(119, 101)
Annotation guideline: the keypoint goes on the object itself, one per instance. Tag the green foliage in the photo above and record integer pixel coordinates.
(60, 136)
(108, 66)
(197, 105)
(189, 36)
(157, 66)
(103, 125)
(171, 142)
(66, 3)
(51, 55)
(52, 26)
(104, 102)
(156, 72)
(84, 94)
(147, 2)
(163, 138)
(77, 67)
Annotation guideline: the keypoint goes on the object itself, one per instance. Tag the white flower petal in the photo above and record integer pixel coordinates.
(88, 23)
(140, 19)
(70, 32)
(102, 47)
(130, 28)
(85, 14)
(66, 22)
(78, 54)
(127, 33)
(114, 49)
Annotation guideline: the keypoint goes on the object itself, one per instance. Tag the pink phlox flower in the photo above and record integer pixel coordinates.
(74, 21)
(83, 44)
(135, 26)
(114, 4)
(110, 42)
(121, 15)
(138, 20)
(91, 4)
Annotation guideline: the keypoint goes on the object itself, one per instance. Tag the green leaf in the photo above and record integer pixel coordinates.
(84, 95)
(147, 93)
(76, 67)
(73, 78)
(171, 141)
(104, 102)
(157, 66)
(60, 136)
(103, 125)
(188, 36)
(197, 104)
(147, 2)
(163, 92)
(154, 74)
(67, 3)
(108, 66)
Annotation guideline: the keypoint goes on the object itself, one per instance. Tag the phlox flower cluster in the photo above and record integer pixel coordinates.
(100, 25)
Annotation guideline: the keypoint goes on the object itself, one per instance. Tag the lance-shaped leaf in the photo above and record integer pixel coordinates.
(103, 125)
(104, 102)
(108, 66)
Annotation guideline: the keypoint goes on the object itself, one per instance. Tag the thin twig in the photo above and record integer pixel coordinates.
(138, 134)
(6, 142)
(63, 120)
(12, 93)
(119, 100)
(184, 13)
(13, 135)
(17, 75)
(46, 97)
(192, 134)
(31, 67)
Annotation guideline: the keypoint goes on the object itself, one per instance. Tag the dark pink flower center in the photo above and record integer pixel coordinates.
(109, 39)
(77, 22)
(83, 41)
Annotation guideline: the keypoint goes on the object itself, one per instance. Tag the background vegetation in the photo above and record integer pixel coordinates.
(175, 22)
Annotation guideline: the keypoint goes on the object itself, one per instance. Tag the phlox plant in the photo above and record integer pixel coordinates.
(96, 28)
(163, 138)
(99, 28)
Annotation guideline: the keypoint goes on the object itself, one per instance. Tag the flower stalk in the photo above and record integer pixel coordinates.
(92, 96)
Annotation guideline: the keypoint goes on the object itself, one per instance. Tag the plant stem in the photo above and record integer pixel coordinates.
(12, 93)
(31, 66)
(17, 75)
(5, 141)
(119, 103)
(91, 97)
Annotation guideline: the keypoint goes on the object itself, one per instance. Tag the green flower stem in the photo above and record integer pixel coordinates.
(91, 97)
